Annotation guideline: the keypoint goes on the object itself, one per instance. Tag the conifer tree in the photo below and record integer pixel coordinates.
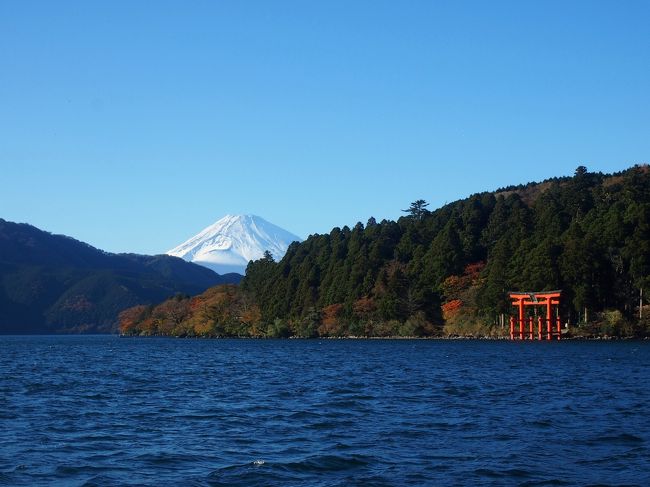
(417, 210)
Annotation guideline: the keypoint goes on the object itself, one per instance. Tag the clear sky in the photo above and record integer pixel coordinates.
(132, 125)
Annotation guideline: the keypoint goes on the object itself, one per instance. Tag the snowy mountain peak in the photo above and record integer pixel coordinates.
(228, 244)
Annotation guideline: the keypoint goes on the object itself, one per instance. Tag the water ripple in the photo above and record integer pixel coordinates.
(102, 411)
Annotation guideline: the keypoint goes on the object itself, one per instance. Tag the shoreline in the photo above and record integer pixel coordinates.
(441, 338)
(350, 337)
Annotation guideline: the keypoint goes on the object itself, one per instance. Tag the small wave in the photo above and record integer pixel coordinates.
(545, 482)
(45, 388)
(163, 458)
(72, 470)
(620, 439)
(323, 425)
(455, 391)
(323, 463)
(542, 423)
(302, 415)
(248, 474)
(343, 404)
(510, 473)
(100, 481)
(503, 437)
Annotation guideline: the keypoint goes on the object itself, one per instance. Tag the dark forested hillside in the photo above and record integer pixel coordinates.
(446, 271)
(53, 283)
(588, 235)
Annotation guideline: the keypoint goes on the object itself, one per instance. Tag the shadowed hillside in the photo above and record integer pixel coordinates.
(53, 283)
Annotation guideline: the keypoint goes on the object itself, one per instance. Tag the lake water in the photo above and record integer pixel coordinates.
(108, 411)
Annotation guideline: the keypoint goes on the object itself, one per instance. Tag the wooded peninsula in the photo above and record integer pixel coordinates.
(445, 272)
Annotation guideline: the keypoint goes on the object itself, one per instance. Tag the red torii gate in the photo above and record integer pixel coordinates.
(549, 299)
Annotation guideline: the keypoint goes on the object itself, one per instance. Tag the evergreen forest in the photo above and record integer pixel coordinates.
(447, 271)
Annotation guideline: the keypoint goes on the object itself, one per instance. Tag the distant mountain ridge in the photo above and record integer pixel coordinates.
(54, 283)
(230, 243)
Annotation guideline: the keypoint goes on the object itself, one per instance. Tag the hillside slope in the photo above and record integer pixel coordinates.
(53, 283)
(588, 235)
(444, 272)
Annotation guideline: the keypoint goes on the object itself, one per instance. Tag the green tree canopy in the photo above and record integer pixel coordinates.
(418, 209)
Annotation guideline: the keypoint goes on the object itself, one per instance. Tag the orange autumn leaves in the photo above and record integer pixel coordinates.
(459, 294)
(219, 311)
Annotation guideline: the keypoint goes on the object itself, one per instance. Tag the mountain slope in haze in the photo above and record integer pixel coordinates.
(230, 243)
(53, 283)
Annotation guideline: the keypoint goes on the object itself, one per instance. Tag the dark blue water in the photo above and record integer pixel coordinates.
(111, 411)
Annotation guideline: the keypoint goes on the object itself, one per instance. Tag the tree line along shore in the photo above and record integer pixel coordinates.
(446, 272)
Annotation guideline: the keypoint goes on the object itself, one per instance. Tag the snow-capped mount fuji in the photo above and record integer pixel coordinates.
(230, 243)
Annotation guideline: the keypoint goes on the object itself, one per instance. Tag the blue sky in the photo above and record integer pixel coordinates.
(133, 125)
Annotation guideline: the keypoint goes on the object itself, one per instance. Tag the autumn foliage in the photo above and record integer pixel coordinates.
(451, 308)
(226, 311)
(331, 320)
(219, 312)
(459, 308)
